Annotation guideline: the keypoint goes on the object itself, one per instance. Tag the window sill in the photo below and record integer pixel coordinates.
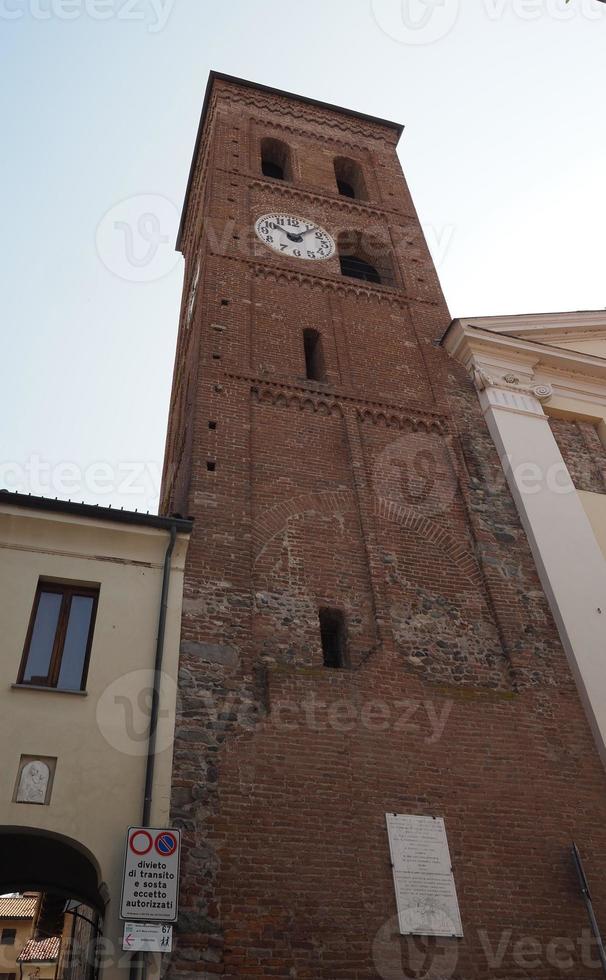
(48, 690)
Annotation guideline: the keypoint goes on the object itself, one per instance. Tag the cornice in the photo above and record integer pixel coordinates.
(345, 204)
(337, 142)
(277, 273)
(344, 287)
(539, 326)
(513, 363)
(367, 410)
(314, 115)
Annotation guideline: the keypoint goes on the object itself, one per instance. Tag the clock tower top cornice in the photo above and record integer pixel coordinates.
(230, 81)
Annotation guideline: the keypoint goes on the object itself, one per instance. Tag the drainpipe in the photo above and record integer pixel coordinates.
(153, 721)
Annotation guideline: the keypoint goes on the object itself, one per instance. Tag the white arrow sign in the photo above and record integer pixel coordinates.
(147, 937)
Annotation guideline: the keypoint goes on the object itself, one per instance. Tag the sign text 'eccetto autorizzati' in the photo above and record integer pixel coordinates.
(150, 886)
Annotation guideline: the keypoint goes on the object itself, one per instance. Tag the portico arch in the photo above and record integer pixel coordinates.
(42, 861)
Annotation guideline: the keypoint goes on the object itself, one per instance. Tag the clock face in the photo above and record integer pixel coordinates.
(295, 237)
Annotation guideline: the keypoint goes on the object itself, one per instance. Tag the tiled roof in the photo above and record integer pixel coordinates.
(17, 908)
(40, 951)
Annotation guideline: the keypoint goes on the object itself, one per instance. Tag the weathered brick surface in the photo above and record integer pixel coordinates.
(378, 492)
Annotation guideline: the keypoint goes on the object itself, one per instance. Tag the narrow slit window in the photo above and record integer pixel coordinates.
(315, 368)
(60, 635)
(332, 633)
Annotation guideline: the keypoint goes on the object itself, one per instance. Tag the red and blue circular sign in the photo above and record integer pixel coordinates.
(166, 843)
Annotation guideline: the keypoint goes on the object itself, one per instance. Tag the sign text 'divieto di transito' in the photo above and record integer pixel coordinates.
(150, 886)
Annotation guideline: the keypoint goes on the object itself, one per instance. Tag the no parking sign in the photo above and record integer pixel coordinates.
(150, 885)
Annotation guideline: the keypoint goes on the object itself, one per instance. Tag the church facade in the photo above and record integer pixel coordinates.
(365, 632)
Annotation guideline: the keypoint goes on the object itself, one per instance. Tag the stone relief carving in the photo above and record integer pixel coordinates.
(542, 392)
(482, 381)
(34, 782)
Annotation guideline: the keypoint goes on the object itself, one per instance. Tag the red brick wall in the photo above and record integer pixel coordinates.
(378, 492)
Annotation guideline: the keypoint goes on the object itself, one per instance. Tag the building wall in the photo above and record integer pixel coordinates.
(9, 954)
(380, 492)
(595, 508)
(99, 739)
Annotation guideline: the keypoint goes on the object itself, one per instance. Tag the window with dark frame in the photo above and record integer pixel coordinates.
(333, 635)
(315, 369)
(59, 638)
(8, 937)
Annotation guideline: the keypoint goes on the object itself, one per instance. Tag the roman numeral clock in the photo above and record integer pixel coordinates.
(295, 237)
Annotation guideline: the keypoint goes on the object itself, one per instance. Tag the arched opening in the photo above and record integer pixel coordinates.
(44, 862)
(53, 900)
(365, 257)
(275, 159)
(350, 179)
(315, 368)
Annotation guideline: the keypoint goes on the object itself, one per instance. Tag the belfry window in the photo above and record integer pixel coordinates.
(350, 179)
(365, 257)
(345, 189)
(275, 159)
(315, 369)
(357, 268)
(332, 632)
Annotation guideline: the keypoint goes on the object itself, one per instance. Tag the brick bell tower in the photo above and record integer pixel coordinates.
(364, 631)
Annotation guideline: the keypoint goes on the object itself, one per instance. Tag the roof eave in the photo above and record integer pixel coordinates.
(31, 502)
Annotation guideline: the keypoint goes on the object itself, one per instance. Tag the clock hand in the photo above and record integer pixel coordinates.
(293, 236)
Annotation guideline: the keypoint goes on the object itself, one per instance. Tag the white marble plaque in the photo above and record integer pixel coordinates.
(426, 894)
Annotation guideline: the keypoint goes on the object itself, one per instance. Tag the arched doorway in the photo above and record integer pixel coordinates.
(63, 899)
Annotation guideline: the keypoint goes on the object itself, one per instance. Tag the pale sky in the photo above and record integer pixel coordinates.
(504, 151)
